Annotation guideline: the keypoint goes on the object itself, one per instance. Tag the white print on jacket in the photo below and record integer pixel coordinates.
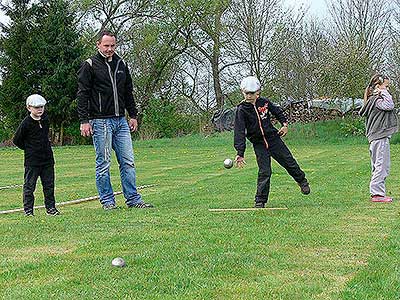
(263, 111)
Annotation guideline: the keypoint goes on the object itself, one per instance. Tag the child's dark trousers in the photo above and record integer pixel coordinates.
(46, 174)
(280, 152)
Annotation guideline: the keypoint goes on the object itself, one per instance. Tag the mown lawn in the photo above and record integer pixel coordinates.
(332, 244)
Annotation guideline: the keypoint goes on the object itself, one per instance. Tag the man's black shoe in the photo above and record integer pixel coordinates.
(141, 205)
(109, 206)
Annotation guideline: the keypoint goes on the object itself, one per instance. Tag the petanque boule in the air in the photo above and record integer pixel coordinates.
(228, 163)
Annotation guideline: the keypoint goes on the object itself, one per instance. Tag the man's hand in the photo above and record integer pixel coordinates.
(283, 131)
(239, 161)
(86, 129)
(133, 125)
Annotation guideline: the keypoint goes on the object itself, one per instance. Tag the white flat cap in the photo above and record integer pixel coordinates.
(35, 100)
(250, 84)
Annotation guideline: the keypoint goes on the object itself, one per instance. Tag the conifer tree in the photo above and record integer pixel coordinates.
(18, 77)
(41, 53)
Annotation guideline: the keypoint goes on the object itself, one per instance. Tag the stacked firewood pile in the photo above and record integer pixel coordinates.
(296, 111)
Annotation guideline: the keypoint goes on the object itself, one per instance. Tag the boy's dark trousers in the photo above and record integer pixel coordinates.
(280, 152)
(46, 174)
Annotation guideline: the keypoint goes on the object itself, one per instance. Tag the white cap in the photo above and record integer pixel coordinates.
(35, 100)
(250, 84)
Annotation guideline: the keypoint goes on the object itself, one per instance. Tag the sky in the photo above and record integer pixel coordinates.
(317, 8)
(1, 16)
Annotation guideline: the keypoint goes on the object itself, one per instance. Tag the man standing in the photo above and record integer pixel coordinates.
(104, 93)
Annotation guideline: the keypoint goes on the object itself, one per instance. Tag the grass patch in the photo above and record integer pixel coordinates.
(332, 244)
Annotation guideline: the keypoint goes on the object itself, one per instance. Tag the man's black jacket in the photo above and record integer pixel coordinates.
(254, 122)
(32, 136)
(104, 89)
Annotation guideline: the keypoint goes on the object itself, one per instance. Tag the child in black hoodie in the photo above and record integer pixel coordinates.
(32, 136)
(254, 122)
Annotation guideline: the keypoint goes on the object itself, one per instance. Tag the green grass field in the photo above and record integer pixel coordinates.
(332, 244)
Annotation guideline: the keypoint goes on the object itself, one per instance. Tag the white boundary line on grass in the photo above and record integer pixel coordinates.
(245, 209)
(70, 202)
(11, 186)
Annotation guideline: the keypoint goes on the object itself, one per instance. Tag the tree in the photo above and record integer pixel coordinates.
(59, 55)
(393, 55)
(253, 24)
(19, 77)
(363, 24)
(41, 54)
(209, 42)
(287, 63)
(359, 43)
(150, 38)
(193, 82)
(157, 45)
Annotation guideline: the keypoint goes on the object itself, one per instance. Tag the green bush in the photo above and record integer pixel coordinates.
(353, 126)
(395, 139)
(72, 135)
(163, 119)
(332, 131)
(6, 133)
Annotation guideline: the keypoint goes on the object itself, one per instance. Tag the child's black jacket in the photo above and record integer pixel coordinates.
(33, 137)
(251, 118)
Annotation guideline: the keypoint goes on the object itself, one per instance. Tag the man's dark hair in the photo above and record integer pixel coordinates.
(104, 32)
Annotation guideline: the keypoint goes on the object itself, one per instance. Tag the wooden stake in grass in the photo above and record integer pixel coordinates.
(70, 202)
(246, 209)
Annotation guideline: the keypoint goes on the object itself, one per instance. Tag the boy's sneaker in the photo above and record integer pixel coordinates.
(378, 198)
(29, 213)
(109, 206)
(141, 205)
(52, 212)
(259, 205)
(305, 187)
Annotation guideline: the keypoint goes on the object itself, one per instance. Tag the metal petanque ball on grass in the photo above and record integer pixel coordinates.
(118, 262)
(228, 163)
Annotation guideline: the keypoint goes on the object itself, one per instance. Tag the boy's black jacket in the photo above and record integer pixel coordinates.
(33, 137)
(247, 123)
(104, 89)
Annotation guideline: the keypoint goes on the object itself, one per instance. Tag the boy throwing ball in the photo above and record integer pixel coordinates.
(253, 121)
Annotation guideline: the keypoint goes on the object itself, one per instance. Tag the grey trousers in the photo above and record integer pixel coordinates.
(380, 163)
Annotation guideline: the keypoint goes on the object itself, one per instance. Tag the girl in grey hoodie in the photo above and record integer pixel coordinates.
(381, 124)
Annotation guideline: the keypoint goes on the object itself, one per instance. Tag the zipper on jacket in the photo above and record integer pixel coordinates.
(100, 102)
(260, 125)
(114, 86)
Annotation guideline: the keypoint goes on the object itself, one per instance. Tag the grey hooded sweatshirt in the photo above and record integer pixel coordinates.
(381, 119)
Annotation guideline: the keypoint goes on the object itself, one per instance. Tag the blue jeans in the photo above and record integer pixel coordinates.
(114, 133)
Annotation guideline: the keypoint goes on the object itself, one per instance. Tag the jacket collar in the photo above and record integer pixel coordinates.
(245, 103)
(100, 56)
